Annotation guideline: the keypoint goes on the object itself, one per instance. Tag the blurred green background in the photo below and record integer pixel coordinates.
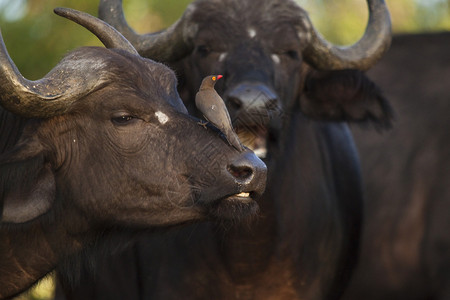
(37, 39)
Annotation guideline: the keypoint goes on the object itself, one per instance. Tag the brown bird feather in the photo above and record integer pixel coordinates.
(213, 108)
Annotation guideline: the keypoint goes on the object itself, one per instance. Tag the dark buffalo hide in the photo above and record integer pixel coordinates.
(405, 251)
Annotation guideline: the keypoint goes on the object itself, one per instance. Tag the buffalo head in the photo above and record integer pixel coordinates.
(106, 136)
(273, 61)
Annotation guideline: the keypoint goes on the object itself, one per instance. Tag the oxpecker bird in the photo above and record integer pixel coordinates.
(211, 105)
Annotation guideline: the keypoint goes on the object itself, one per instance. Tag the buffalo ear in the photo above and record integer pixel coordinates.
(27, 183)
(345, 95)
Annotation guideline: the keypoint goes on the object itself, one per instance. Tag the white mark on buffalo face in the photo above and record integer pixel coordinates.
(275, 58)
(162, 117)
(251, 32)
(222, 56)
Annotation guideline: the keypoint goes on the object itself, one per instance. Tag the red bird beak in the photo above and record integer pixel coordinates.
(219, 76)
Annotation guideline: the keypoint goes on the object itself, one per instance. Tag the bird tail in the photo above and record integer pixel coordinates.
(234, 141)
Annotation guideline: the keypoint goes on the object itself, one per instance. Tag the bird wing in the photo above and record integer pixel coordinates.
(215, 111)
(213, 108)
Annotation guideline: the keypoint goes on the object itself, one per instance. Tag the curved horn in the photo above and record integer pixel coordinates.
(168, 45)
(53, 94)
(363, 54)
(107, 34)
(31, 99)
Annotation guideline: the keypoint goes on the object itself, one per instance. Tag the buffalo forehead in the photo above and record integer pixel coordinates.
(161, 72)
(229, 12)
(152, 79)
(263, 20)
(126, 75)
(168, 80)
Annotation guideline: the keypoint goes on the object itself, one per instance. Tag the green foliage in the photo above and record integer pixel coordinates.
(343, 22)
(38, 39)
(153, 15)
(171, 9)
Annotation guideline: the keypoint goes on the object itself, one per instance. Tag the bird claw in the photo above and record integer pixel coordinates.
(201, 123)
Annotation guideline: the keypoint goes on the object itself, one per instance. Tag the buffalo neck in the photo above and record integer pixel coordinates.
(248, 245)
(29, 251)
(299, 199)
(247, 248)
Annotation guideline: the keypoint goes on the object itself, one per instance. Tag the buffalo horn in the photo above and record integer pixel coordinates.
(53, 94)
(176, 41)
(361, 55)
(108, 35)
(168, 45)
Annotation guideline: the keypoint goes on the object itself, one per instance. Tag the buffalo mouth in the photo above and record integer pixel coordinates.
(255, 138)
(243, 197)
(235, 207)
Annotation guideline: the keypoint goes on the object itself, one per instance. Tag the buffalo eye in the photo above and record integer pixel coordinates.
(123, 119)
(203, 50)
(292, 54)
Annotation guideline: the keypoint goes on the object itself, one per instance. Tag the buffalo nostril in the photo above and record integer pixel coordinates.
(248, 172)
(235, 103)
(241, 172)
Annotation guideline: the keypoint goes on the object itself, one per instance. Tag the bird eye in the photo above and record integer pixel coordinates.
(123, 119)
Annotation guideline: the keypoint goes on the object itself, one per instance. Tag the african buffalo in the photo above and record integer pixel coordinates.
(100, 144)
(406, 239)
(289, 93)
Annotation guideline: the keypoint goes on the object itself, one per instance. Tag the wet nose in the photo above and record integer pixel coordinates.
(252, 96)
(249, 172)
